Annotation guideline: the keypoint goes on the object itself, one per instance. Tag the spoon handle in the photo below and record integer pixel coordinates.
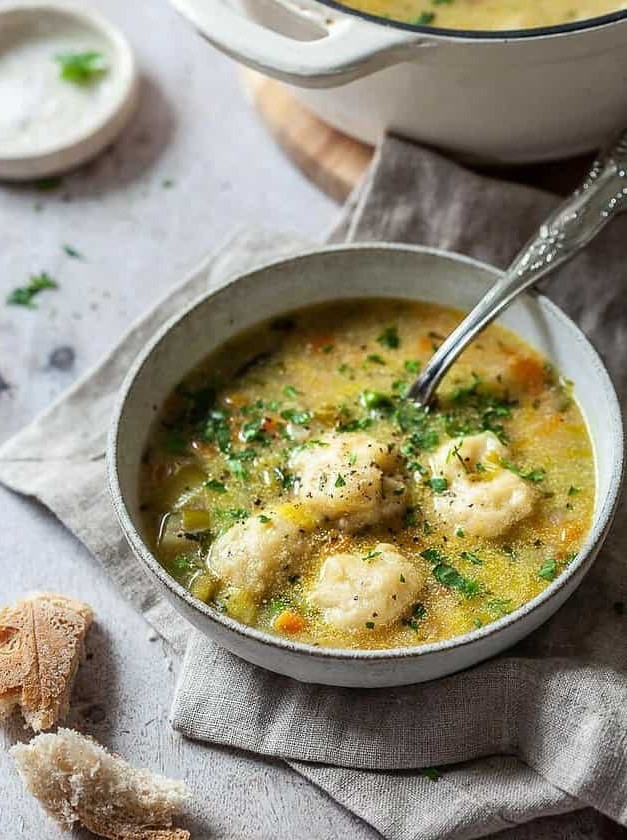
(601, 196)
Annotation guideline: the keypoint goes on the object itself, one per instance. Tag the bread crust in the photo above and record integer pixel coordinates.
(41, 646)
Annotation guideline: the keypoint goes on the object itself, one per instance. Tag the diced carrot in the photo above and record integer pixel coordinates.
(425, 344)
(270, 425)
(572, 533)
(527, 371)
(289, 622)
(320, 342)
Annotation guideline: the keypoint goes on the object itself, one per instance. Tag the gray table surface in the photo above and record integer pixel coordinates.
(195, 128)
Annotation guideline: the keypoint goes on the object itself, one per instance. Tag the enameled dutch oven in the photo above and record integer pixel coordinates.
(502, 97)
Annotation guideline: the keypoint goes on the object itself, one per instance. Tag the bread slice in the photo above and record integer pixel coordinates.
(41, 646)
(77, 780)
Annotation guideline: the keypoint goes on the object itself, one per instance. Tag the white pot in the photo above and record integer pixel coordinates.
(359, 272)
(498, 97)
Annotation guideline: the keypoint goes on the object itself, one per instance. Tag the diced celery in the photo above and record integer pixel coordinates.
(195, 520)
(203, 586)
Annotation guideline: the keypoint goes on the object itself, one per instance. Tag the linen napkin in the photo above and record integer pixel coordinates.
(539, 731)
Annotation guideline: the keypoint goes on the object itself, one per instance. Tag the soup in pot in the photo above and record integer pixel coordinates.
(486, 14)
(289, 482)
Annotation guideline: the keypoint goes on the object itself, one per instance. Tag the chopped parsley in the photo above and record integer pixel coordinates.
(573, 491)
(72, 252)
(370, 556)
(375, 359)
(264, 519)
(536, 475)
(291, 392)
(389, 338)
(25, 295)
(499, 607)
(548, 570)
(299, 418)
(339, 481)
(374, 399)
(412, 366)
(370, 625)
(471, 557)
(433, 555)
(215, 485)
(450, 577)
(82, 68)
(438, 484)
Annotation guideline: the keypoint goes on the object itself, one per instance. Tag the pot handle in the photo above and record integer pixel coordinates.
(351, 48)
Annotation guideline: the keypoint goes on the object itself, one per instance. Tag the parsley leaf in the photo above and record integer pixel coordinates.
(72, 252)
(215, 485)
(471, 557)
(438, 484)
(536, 475)
(389, 338)
(449, 576)
(82, 68)
(548, 570)
(24, 295)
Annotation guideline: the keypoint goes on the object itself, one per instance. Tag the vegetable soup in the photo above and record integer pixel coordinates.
(486, 14)
(290, 483)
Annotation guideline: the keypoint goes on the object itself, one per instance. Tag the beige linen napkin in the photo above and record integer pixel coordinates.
(539, 731)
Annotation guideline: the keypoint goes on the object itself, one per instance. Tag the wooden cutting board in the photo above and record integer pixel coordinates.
(336, 162)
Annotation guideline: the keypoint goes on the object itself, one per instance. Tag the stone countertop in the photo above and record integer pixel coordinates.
(194, 165)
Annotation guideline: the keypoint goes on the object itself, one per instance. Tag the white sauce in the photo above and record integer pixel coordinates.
(38, 109)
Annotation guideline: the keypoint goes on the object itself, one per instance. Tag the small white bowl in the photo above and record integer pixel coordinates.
(35, 140)
(362, 271)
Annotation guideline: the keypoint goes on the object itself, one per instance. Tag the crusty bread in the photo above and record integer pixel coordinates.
(41, 646)
(77, 780)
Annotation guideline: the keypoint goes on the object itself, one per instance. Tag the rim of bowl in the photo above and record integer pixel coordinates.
(601, 523)
(124, 57)
(574, 26)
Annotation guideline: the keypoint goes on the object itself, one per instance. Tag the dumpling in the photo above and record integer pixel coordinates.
(255, 555)
(349, 478)
(357, 590)
(483, 498)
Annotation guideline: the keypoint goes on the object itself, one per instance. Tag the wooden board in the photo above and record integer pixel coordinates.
(335, 162)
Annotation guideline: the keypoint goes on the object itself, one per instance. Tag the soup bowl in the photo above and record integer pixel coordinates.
(349, 272)
(498, 97)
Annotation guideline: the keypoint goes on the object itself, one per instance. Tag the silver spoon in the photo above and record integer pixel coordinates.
(602, 195)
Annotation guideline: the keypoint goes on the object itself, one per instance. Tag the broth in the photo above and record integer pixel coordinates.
(486, 14)
(290, 484)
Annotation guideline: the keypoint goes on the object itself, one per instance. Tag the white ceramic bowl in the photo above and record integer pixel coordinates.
(359, 272)
(501, 97)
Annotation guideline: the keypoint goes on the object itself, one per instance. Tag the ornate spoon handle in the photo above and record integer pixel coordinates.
(602, 195)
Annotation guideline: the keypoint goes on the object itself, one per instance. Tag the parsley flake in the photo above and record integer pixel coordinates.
(81, 68)
(24, 295)
(389, 338)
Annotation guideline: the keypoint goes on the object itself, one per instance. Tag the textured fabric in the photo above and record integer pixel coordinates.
(528, 743)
